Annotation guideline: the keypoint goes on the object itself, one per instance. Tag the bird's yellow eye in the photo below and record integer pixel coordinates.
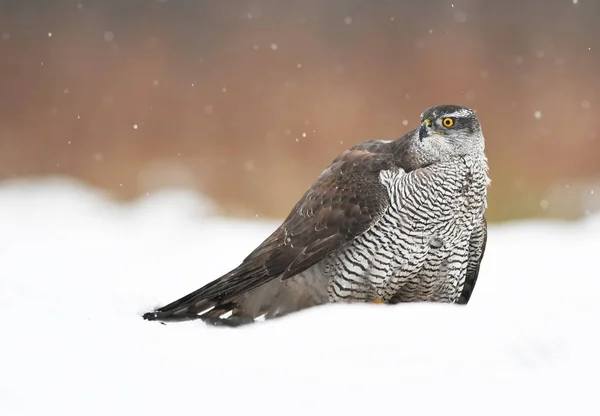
(448, 122)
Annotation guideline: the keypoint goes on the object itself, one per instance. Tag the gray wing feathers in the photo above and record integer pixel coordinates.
(344, 202)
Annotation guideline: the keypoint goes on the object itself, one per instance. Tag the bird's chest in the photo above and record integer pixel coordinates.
(446, 208)
(468, 200)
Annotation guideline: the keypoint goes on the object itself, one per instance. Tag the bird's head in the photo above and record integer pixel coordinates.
(448, 131)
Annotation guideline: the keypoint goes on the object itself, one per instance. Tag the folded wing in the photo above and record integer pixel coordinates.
(344, 202)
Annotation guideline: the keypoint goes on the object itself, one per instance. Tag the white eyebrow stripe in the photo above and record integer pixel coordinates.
(459, 113)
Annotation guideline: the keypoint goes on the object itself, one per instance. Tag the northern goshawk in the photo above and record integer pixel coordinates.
(386, 222)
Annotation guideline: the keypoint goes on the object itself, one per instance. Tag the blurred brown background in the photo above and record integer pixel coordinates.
(247, 101)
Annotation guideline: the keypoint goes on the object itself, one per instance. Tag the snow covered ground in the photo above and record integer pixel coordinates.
(77, 271)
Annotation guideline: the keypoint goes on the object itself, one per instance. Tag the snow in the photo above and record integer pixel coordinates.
(77, 270)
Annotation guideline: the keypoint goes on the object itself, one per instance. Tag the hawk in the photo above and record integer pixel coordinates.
(385, 222)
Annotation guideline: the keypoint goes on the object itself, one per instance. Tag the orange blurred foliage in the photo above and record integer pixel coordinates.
(248, 101)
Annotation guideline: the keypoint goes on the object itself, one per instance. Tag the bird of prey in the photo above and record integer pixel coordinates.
(385, 222)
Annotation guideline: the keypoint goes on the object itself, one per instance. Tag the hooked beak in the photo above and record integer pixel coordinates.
(424, 130)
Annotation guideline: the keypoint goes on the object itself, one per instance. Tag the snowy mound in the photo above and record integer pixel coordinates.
(77, 271)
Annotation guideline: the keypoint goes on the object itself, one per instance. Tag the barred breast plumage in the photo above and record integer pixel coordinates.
(387, 221)
(419, 250)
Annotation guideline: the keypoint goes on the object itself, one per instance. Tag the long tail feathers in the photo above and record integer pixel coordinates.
(216, 301)
(242, 296)
(195, 306)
